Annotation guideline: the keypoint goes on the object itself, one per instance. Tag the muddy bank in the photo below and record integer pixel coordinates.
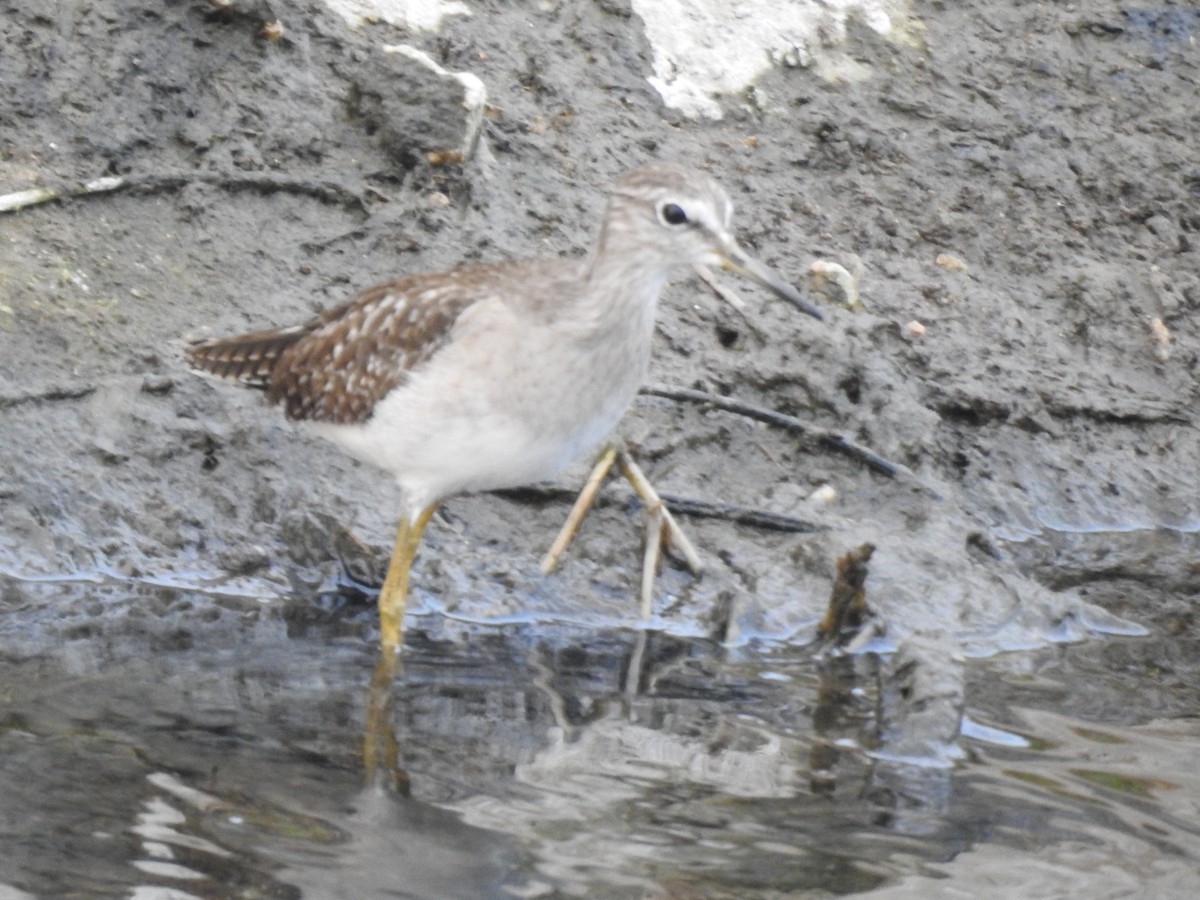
(1031, 204)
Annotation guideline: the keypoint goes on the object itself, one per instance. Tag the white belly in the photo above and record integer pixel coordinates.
(480, 416)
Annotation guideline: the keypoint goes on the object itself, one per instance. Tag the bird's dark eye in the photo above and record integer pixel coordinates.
(673, 214)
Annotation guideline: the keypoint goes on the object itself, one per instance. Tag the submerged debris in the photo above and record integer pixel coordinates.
(950, 262)
(848, 610)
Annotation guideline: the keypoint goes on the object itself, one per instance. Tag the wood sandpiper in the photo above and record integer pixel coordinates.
(492, 376)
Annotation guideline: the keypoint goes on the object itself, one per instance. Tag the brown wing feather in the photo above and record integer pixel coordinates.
(337, 366)
(247, 359)
(364, 348)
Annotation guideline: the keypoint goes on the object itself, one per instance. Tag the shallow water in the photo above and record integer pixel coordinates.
(161, 744)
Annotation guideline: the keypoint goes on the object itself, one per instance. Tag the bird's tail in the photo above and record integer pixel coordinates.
(247, 358)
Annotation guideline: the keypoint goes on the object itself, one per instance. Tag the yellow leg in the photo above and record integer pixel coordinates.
(394, 594)
(656, 536)
(583, 503)
(662, 529)
(381, 751)
(654, 506)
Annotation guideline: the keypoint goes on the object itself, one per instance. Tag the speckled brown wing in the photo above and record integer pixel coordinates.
(248, 358)
(337, 366)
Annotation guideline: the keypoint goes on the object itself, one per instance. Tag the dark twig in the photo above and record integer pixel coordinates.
(830, 439)
(684, 506)
(49, 394)
(739, 515)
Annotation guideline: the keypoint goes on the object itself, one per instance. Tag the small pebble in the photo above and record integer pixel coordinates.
(443, 157)
(826, 493)
(157, 384)
(950, 262)
(1161, 338)
(914, 329)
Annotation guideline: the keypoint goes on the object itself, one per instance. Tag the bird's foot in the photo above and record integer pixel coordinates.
(662, 530)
